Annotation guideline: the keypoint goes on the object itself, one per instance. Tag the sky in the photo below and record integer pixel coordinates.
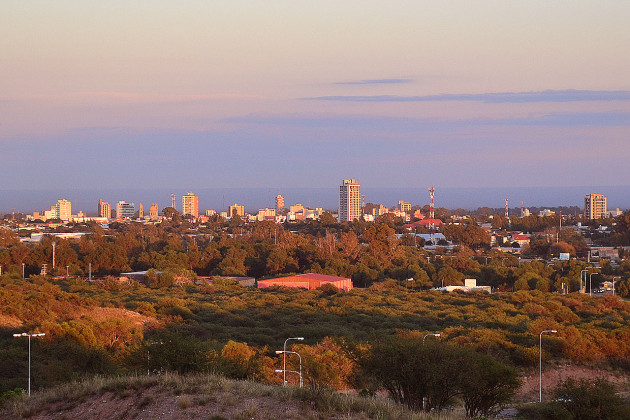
(286, 94)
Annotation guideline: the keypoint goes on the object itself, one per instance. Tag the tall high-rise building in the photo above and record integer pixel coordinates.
(190, 205)
(237, 210)
(125, 210)
(154, 211)
(349, 201)
(595, 206)
(104, 209)
(279, 202)
(63, 210)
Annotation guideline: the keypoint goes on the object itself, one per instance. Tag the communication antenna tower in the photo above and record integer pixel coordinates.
(363, 203)
(173, 200)
(432, 213)
(522, 210)
(506, 208)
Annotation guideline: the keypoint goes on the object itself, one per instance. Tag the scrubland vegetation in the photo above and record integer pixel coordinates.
(177, 323)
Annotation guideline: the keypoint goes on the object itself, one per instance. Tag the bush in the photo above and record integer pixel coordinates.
(428, 375)
(591, 400)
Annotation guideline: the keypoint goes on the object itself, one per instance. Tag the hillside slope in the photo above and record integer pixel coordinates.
(175, 396)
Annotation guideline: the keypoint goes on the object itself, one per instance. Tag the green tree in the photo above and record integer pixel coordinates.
(591, 400)
(486, 384)
(172, 214)
(428, 375)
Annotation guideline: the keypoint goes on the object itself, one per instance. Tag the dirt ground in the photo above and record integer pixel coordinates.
(153, 404)
(156, 403)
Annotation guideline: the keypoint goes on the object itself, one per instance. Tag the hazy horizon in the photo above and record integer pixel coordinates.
(28, 201)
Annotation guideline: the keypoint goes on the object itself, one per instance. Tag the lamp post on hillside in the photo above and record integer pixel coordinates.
(284, 359)
(431, 335)
(590, 286)
(613, 282)
(29, 354)
(298, 355)
(149, 357)
(540, 363)
(581, 275)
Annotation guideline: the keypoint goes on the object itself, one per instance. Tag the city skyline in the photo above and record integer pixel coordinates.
(475, 94)
(252, 200)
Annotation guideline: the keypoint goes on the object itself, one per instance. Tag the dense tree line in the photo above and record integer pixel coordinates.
(365, 252)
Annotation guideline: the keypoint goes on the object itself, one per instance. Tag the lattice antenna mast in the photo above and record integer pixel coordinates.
(432, 213)
(522, 210)
(507, 215)
(173, 200)
(363, 203)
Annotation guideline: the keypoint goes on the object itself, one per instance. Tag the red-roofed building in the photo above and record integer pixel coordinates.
(307, 281)
(521, 239)
(423, 223)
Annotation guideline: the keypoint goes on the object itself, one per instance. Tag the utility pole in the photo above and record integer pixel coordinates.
(54, 244)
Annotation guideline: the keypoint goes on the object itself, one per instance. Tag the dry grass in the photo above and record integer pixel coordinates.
(193, 395)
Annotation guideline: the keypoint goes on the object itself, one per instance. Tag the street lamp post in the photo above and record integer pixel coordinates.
(540, 363)
(284, 359)
(590, 284)
(291, 371)
(29, 353)
(300, 357)
(431, 335)
(581, 275)
(149, 357)
(613, 282)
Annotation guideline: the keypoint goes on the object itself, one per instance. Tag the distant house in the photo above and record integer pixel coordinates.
(307, 281)
(522, 240)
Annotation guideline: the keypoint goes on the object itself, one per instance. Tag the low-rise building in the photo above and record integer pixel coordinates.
(307, 281)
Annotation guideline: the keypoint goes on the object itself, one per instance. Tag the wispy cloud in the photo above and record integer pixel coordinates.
(498, 97)
(375, 82)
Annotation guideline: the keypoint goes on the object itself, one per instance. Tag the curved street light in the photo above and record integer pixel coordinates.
(590, 286)
(298, 355)
(613, 282)
(431, 335)
(581, 272)
(540, 363)
(284, 358)
(29, 353)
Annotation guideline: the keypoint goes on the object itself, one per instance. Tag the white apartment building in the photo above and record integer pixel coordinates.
(190, 205)
(125, 210)
(349, 200)
(63, 210)
(595, 206)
